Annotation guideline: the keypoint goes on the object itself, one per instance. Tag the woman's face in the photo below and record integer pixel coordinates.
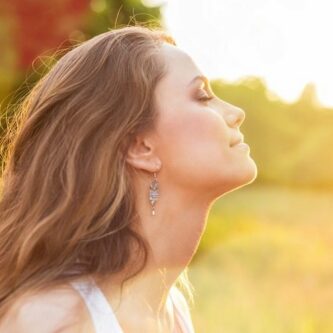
(195, 137)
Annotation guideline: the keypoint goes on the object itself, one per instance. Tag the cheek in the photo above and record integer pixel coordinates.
(194, 145)
(203, 133)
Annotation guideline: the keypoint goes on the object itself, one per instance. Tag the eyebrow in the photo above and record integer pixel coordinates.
(199, 77)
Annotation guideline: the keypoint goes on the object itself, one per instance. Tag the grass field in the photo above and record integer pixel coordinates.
(265, 263)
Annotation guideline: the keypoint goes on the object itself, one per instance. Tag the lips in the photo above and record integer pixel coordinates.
(237, 140)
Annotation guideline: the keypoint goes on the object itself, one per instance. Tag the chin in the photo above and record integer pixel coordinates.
(244, 176)
(248, 175)
(239, 176)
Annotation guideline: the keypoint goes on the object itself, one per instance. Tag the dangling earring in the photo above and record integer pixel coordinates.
(153, 193)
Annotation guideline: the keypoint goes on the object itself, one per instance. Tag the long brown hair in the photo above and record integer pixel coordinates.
(67, 202)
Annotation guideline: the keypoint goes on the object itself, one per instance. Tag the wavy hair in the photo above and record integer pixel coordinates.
(67, 204)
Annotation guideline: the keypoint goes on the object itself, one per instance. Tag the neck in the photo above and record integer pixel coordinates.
(173, 235)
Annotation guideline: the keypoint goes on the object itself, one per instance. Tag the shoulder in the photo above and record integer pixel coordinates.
(56, 310)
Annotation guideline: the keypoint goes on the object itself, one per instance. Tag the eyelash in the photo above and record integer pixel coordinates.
(206, 98)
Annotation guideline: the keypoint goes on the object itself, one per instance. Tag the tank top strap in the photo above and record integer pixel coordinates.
(182, 311)
(104, 318)
(102, 315)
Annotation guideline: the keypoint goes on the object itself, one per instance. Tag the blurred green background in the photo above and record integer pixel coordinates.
(264, 263)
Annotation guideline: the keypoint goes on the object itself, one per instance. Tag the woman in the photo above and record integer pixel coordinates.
(119, 152)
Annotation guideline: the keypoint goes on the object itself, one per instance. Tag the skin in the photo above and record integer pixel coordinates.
(190, 151)
(191, 154)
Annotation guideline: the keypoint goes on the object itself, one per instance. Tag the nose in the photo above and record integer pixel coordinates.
(235, 116)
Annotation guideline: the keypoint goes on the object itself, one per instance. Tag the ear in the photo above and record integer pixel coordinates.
(141, 154)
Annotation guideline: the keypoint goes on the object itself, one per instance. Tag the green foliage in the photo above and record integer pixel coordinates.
(288, 141)
(115, 13)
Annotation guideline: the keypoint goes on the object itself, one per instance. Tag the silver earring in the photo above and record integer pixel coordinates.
(153, 193)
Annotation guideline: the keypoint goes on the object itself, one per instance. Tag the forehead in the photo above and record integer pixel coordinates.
(180, 66)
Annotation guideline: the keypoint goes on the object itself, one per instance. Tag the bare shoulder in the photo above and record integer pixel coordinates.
(55, 310)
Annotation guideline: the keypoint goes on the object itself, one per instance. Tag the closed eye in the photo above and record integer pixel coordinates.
(206, 98)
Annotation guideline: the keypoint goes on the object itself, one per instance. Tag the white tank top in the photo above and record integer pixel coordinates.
(104, 319)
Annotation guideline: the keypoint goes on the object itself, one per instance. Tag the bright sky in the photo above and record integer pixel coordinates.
(287, 42)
